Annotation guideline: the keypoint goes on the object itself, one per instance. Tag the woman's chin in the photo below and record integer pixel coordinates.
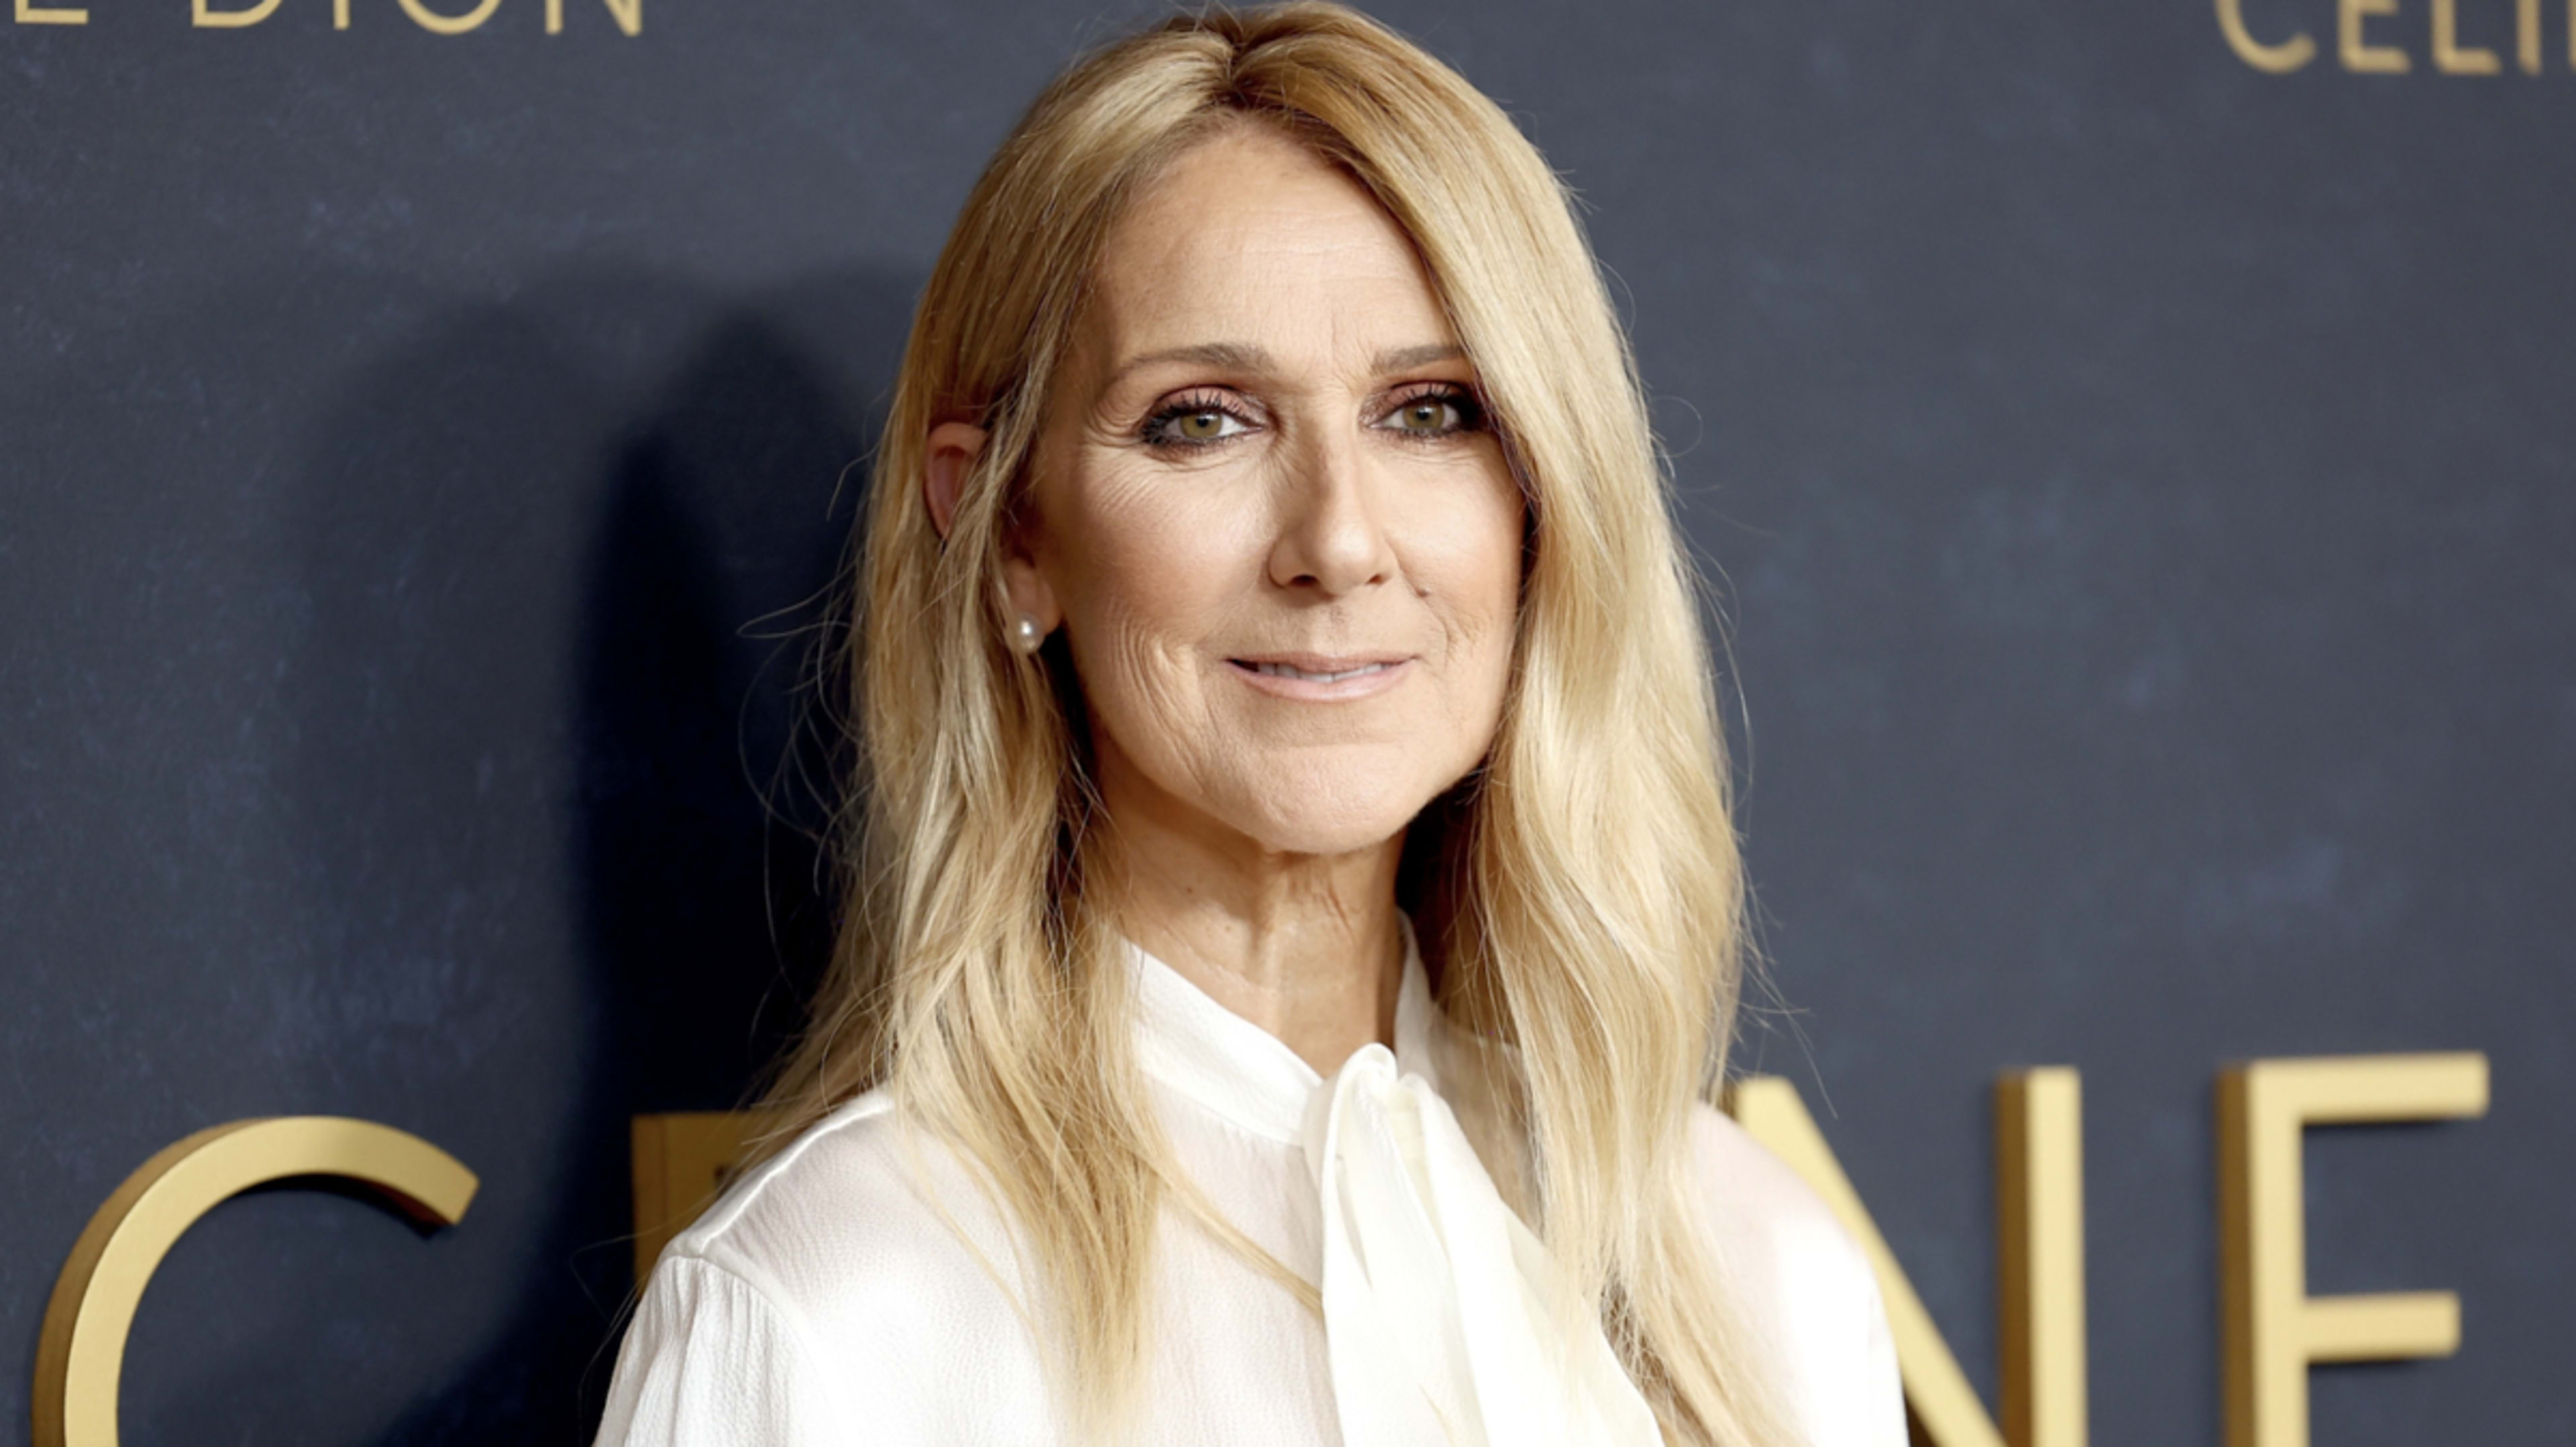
(1323, 838)
(1291, 816)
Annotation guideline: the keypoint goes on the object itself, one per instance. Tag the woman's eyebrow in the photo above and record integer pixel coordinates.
(1231, 356)
(1249, 358)
(1405, 359)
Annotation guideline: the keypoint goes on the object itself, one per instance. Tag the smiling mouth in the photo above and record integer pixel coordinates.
(1340, 672)
(1310, 675)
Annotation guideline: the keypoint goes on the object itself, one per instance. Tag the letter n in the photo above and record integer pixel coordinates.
(629, 15)
(2039, 1171)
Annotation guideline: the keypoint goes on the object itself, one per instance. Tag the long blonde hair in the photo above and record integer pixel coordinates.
(1578, 900)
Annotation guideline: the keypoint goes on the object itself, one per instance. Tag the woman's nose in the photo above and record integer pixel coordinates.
(1331, 537)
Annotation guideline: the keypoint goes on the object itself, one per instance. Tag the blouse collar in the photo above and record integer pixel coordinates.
(1247, 1075)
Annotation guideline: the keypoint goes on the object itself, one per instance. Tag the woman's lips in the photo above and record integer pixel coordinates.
(1321, 677)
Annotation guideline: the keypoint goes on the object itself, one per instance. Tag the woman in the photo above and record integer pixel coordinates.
(1298, 919)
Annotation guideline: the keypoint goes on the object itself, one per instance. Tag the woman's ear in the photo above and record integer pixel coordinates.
(953, 448)
(1027, 594)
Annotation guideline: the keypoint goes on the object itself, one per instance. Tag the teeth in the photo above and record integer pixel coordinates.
(1282, 670)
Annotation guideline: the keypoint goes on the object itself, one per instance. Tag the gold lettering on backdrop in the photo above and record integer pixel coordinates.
(681, 1162)
(80, 1350)
(2451, 57)
(210, 14)
(2039, 1170)
(629, 15)
(2358, 54)
(2272, 1329)
(2287, 56)
(431, 20)
(209, 18)
(2039, 1245)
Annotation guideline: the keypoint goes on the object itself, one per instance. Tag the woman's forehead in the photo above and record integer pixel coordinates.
(1249, 240)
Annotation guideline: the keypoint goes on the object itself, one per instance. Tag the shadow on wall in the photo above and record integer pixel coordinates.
(704, 746)
(560, 767)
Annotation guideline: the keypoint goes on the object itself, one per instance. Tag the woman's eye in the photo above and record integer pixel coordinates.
(1433, 414)
(1192, 425)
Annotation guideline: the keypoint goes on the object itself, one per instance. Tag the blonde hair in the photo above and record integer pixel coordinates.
(1579, 899)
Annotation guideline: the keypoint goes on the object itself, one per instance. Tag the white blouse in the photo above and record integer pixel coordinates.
(828, 1296)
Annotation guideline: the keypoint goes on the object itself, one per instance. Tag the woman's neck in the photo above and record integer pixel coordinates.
(1307, 946)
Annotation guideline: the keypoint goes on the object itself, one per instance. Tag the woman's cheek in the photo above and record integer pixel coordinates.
(1467, 563)
(1155, 529)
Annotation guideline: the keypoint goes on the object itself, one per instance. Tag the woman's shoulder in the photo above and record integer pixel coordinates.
(861, 1218)
(854, 1145)
(1804, 1287)
(1757, 1204)
(844, 1279)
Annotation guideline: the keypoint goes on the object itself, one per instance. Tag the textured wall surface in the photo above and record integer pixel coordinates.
(2139, 485)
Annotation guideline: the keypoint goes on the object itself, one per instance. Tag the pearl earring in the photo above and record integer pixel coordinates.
(1026, 635)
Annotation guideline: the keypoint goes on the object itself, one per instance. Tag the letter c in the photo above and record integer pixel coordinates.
(2279, 59)
(80, 1354)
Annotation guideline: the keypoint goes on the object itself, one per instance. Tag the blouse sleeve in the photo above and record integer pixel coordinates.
(1879, 1415)
(711, 1361)
(1808, 1293)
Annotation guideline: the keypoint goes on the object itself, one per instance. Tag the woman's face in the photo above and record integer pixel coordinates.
(1267, 512)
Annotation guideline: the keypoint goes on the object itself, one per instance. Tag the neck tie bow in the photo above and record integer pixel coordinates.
(1445, 1318)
